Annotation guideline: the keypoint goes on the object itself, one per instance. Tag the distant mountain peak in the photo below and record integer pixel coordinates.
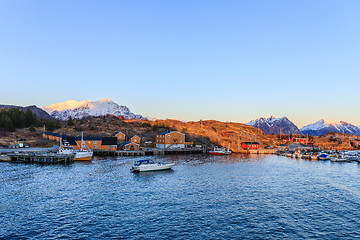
(329, 125)
(78, 110)
(274, 125)
(105, 100)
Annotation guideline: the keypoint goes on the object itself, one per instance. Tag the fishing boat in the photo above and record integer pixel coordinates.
(220, 151)
(147, 165)
(83, 154)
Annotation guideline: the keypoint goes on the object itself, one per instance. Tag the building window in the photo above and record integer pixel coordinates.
(95, 146)
(180, 141)
(168, 141)
(180, 136)
(95, 142)
(174, 136)
(168, 136)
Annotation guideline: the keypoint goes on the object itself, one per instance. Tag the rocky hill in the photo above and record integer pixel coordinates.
(226, 134)
(34, 109)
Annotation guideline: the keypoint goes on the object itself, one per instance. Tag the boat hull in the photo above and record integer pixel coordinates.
(152, 167)
(216, 153)
(83, 156)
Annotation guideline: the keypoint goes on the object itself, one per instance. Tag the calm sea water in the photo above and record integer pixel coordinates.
(203, 197)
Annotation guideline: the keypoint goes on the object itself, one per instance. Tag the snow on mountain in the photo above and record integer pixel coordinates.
(273, 125)
(78, 110)
(327, 125)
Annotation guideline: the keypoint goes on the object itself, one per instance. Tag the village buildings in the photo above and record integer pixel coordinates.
(168, 140)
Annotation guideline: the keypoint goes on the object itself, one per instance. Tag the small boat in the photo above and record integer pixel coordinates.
(220, 151)
(150, 165)
(314, 156)
(339, 159)
(323, 157)
(83, 154)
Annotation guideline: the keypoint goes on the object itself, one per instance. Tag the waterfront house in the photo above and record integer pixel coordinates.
(298, 140)
(92, 142)
(250, 145)
(129, 146)
(312, 144)
(120, 136)
(135, 139)
(109, 143)
(169, 139)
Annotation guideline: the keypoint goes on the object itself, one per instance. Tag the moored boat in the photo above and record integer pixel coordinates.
(83, 154)
(150, 165)
(217, 151)
(339, 159)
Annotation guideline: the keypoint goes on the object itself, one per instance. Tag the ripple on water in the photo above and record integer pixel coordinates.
(203, 197)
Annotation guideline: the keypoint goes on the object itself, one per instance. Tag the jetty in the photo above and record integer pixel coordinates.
(149, 152)
(156, 151)
(46, 158)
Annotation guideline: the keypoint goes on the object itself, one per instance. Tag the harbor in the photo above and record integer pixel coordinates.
(215, 194)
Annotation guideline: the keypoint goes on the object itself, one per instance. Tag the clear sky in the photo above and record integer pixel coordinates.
(225, 60)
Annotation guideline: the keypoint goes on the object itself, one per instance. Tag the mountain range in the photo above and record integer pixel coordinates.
(325, 125)
(273, 125)
(78, 110)
(34, 109)
(106, 106)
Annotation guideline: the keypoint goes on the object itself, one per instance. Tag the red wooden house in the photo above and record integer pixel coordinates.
(250, 145)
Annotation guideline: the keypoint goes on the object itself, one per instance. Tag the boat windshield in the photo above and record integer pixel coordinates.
(142, 162)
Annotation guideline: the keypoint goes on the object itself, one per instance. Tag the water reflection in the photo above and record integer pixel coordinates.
(202, 197)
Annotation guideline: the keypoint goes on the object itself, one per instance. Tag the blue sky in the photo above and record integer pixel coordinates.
(191, 60)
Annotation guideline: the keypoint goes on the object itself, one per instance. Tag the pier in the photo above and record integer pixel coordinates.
(148, 152)
(43, 158)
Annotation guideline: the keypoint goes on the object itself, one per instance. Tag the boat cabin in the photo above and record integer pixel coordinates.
(143, 162)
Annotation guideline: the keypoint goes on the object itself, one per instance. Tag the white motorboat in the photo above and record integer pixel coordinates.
(339, 159)
(150, 165)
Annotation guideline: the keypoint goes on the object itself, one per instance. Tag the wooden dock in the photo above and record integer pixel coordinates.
(147, 152)
(46, 158)
(259, 151)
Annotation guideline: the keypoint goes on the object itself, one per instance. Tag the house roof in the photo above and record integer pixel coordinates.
(90, 138)
(70, 140)
(247, 143)
(109, 141)
(166, 132)
(134, 136)
(117, 133)
(163, 133)
(127, 143)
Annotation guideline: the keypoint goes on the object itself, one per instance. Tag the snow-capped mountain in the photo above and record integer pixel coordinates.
(326, 125)
(273, 125)
(78, 110)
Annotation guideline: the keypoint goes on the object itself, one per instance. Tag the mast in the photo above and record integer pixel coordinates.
(82, 140)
